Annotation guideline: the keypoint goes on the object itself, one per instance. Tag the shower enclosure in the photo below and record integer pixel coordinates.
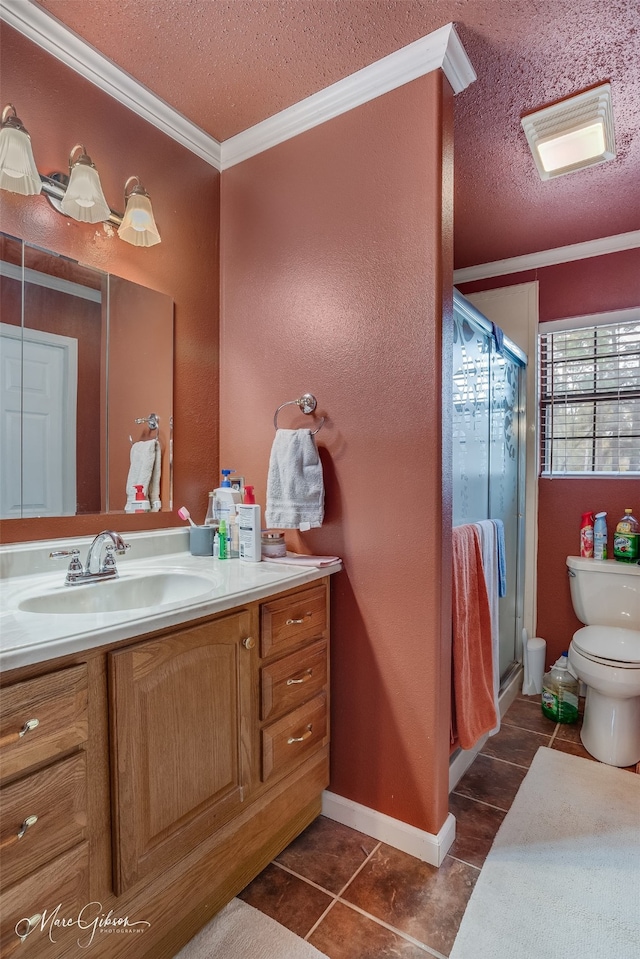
(489, 390)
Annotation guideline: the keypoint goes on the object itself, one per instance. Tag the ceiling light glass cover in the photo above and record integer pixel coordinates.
(84, 199)
(18, 171)
(573, 134)
(138, 226)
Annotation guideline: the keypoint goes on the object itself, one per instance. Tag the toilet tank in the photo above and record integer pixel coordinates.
(605, 592)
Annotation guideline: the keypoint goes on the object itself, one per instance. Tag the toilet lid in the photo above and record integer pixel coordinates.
(609, 643)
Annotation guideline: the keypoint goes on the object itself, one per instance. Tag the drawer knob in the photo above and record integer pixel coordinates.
(303, 679)
(25, 926)
(249, 642)
(297, 622)
(28, 726)
(300, 739)
(28, 822)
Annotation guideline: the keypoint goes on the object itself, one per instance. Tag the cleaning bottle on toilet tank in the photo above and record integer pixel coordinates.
(626, 539)
(600, 536)
(586, 535)
(560, 692)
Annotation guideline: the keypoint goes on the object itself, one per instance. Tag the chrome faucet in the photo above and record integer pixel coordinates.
(94, 570)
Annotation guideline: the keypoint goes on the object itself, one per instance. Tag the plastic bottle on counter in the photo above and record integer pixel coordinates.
(249, 528)
(600, 536)
(221, 537)
(626, 539)
(560, 692)
(586, 535)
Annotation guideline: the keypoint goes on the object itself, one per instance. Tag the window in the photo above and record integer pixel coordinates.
(589, 391)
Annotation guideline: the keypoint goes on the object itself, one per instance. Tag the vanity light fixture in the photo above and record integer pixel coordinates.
(575, 133)
(18, 171)
(138, 226)
(83, 199)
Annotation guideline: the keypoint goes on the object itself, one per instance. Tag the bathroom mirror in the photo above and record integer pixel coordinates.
(86, 358)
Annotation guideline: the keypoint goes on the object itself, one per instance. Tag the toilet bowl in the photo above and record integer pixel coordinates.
(605, 655)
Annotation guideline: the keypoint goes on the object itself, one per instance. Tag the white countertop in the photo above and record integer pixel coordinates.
(29, 637)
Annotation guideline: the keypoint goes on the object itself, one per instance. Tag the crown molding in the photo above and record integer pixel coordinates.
(53, 37)
(440, 49)
(561, 254)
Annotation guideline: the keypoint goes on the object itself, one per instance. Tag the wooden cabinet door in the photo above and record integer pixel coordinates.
(182, 715)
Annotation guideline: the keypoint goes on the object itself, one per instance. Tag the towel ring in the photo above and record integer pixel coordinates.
(307, 403)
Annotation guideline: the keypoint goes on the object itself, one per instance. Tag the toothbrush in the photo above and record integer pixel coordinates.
(184, 513)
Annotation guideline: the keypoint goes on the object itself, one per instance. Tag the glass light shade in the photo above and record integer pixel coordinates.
(18, 171)
(576, 146)
(84, 199)
(138, 226)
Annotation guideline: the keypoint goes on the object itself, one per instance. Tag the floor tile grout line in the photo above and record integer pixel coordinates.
(524, 729)
(386, 925)
(507, 762)
(334, 896)
(309, 882)
(465, 862)
(482, 802)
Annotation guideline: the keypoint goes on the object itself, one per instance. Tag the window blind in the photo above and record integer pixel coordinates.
(589, 391)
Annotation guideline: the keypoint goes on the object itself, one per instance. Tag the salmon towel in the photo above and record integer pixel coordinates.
(473, 705)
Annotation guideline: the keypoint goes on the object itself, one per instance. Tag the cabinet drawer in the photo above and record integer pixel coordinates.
(56, 797)
(290, 621)
(64, 883)
(42, 718)
(291, 739)
(293, 680)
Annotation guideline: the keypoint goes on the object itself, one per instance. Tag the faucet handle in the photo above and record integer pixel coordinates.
(109, 560)
(75, 566)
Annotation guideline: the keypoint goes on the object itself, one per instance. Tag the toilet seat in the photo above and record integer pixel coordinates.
(609, 645)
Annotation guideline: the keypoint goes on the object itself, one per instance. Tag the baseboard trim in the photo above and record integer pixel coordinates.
(429, 847)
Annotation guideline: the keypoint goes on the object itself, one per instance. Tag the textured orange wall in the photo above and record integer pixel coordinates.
(60, 109)
(333, 254)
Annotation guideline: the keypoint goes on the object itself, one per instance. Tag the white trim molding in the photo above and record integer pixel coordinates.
(440, 49)
(55, 38)
(561, 254)
(630, 315)
(427, 846)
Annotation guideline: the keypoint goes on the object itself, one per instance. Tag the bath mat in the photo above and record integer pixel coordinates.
(241, 932)
(561, 879)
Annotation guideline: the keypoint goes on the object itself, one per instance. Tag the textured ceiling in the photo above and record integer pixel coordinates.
(227, 64)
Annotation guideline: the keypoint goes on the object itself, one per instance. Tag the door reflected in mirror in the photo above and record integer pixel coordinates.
(83, 356)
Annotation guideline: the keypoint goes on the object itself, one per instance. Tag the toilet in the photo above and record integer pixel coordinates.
(605, 655)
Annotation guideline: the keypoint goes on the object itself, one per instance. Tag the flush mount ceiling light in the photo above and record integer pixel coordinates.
(84, 199)
(572, 134)
(138, 226)
(18, 171)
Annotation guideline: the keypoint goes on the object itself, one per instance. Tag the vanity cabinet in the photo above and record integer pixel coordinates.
(181, 721)
(165, 773)
(43, 806)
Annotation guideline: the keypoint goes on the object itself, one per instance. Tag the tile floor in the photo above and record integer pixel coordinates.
(356, 898)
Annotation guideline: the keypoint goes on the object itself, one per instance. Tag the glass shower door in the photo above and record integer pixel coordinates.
(488, 451)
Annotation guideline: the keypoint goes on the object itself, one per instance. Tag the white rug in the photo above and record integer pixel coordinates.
(562, 879)
(241, 932)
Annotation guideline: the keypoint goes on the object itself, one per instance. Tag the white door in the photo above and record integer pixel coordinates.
(38, 382)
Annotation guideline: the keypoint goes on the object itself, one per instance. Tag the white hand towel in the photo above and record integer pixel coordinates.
(144, 470)
(295, 488)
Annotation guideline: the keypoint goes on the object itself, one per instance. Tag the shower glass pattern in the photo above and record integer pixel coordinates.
(488, 451)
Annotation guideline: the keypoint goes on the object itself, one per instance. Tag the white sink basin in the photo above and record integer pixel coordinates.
(130, 591)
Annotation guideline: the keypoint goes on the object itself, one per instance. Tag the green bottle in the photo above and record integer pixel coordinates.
(626, 539)
(222, 540)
